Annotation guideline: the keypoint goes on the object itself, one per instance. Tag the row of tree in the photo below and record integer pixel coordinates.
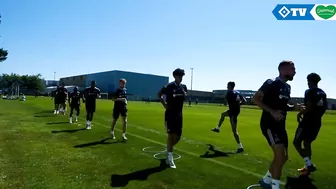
(29, 82)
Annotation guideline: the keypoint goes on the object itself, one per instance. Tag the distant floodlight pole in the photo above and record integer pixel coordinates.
(192, 77)
(54, 78)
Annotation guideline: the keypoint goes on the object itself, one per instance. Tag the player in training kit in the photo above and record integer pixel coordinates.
(120, 108)
(234, 100)
(74, 102)
(90, 95)
(62, 94)
(273, 97)
(175, 93)
(310, 118)
(56, 101)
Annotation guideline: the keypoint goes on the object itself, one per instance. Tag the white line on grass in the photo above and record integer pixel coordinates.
(195, 155)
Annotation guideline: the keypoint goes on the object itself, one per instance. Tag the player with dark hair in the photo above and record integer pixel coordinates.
(234, 99)
(175, 93)
(74, 102)
(273, 97)
(90, 96)
(62, 94)
(120, 108)
(310, 121)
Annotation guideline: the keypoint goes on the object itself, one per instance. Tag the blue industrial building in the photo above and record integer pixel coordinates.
(140, 85)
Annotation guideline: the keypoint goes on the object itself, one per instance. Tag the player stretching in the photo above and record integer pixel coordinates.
(273, 97)
(175, 93)
(120, 108)
(90, 95)
(62, 95)
(234, 100)
(74, 102)
(310, 118)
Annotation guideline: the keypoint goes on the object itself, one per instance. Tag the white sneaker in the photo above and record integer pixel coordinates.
(88, 126)
(71, 120)
(112, 135)
(57, 112)
(171, 163)
(76, 118)
(124, 137)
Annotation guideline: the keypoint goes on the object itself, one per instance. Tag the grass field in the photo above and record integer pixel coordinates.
(39, 150)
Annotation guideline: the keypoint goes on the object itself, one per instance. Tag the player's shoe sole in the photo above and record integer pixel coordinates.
(264, 185)
(307, 170)
(215, 130)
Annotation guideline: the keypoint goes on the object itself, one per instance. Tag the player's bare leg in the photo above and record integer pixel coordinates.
(71, 112)
(114, 121)
(172, 140)
(279, 159)
(220, 122)
(124, 127)
(233, 122)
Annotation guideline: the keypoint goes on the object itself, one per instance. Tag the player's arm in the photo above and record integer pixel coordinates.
(243, 99)
(69, 99)
(185, 90)
(163, 91)
(259, 95)
(98, 93)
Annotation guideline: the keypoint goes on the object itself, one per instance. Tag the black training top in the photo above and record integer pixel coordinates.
(120, 93)
(91, 94)
(318, 98)
(61, 92)
(175, 96)
(74, 98)
(233, 99)
(276, 96)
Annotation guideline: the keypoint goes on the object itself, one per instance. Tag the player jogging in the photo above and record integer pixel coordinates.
(234, 100)
(310, 118)
(56, 100)
(74, 102)
(62, 94)
(90, 95)
(273, 97)
(175, 93)
(120, 108)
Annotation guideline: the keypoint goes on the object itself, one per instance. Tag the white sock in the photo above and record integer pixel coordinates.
(268, 178)
(308, 161)
(275, 184)
(123, 135)
(170, 156)
(240, 145)
(70, 118)
(218, 127)
(87, 122)
(76, 117)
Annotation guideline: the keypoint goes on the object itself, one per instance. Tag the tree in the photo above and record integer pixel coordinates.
(3, 54)
(29, 82)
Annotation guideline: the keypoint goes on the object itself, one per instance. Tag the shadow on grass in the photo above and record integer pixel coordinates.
(69, 131)
(213, 153)
(57, 123)
(43, 116)
(123, 180)
(301, 182)
(103, 141)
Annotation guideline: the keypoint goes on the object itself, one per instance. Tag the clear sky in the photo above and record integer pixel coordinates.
(222, 40)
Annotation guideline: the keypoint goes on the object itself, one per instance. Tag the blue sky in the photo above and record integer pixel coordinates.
(222, 40)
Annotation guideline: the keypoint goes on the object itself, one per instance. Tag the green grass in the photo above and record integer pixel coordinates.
(39, 150)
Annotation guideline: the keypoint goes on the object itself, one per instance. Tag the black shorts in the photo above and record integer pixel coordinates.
(75, 106)
(174, 123)
(308, 130)
(90, 108)
(233, 114)
(274, 132)
(117, 112)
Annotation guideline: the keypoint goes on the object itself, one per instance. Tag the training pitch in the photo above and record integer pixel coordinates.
(39, 150)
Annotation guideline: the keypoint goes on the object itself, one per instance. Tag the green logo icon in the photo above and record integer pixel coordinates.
(325, 12)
